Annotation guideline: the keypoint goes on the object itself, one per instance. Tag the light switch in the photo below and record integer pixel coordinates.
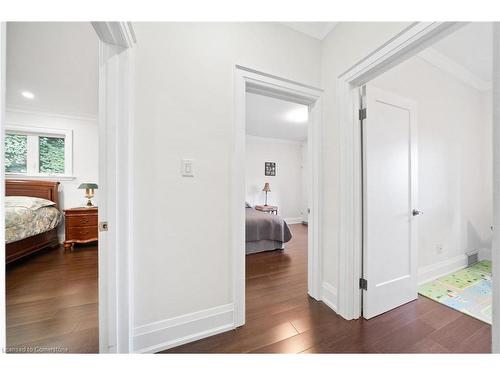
(187, 168)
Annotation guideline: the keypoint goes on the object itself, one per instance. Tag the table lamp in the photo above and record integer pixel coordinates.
(267, 189)
(89, 191)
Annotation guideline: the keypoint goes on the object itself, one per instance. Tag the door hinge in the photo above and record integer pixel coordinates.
(103, 226)
(362, 114)
(363, 284)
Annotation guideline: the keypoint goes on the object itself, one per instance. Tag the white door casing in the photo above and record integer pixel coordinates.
(250, 80)
(116, 103)
(389, 198)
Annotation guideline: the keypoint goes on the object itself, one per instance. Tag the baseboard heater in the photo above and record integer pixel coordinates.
(472, 257)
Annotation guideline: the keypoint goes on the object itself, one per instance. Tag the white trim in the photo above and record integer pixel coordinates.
(119, 34)
(116, 104)
(275, 140)
(168, 333)
(250, 80)
(413, 39)
(449, 66)
(485, 254)
(442, 268)
(23, 176)
(329, 295)
(294, 220)
(70, 116)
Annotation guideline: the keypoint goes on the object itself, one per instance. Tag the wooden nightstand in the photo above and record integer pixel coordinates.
(270, 209)
(81, 226)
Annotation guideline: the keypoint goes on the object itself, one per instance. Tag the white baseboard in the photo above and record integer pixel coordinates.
(294, 220)
(168, 333)
(436, 270)
(329, 295)
(485, 254)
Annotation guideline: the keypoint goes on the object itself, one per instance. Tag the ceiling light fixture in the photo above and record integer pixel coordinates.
(298, 115)
(28, 95)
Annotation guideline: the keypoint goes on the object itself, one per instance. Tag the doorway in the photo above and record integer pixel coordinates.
(51, 159)
(257, 83)
(405, 45)
(276, 203)
(440, 167)
(116, 40)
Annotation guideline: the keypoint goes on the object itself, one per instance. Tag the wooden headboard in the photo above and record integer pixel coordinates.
(33, 188)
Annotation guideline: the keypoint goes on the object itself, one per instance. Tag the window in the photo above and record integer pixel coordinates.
(38, 152)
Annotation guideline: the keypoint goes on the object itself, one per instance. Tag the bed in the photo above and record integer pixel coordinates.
(264, 231)
(31, 223)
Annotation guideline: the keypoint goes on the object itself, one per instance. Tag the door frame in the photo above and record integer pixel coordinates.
(251, 80)
(407, 43)
(416, 37)
(116, 160)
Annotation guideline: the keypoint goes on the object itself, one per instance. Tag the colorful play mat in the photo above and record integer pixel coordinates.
(467, 290)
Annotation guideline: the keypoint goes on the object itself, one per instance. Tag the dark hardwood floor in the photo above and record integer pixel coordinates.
(281, 318)
(52, 301)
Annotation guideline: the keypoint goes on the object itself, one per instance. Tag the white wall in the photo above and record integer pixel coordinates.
(454, 158)
(85, 151)
(286, 186)
(184, 109)
(344, 46)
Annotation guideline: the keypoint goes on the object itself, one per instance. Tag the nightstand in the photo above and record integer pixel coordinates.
(81, 226)
(270, 209)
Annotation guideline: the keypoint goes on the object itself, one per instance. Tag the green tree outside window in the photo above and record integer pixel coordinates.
(51, 154)
(16, 146)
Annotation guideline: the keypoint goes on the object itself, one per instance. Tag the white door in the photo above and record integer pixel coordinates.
(389, 201)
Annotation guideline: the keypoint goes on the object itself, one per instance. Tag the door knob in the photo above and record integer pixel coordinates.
(417, 212)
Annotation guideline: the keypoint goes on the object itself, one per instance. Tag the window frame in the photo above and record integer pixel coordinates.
(33, 151)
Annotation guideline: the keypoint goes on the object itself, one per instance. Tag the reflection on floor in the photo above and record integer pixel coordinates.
(281, 318)
(52, 302)
(467, 290)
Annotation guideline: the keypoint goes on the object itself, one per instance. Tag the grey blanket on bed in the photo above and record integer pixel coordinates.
(264, 226)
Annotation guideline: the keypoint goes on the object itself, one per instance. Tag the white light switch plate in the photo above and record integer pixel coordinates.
(187, 168)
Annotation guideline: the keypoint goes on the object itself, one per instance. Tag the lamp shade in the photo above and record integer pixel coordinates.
(266, 187)
(87, 185)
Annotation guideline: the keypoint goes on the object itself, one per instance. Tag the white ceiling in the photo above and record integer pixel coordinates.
(472, 47)
(57, 62)
(316, 30)
(274, 118)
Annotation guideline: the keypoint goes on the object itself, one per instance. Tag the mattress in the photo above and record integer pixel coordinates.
(264, 229)
(28, 216)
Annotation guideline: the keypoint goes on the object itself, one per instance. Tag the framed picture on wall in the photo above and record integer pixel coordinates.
(270, 168)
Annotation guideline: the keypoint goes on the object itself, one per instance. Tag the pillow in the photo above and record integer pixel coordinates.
(30, 203)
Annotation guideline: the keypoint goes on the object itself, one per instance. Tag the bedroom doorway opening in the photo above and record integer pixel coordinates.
(275, 200)
(51, 155)
(276, 203)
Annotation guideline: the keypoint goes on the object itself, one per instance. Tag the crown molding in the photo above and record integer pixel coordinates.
(316, 34)
(446, 64)
(260, 138)
(33, 112)
(119, 34)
